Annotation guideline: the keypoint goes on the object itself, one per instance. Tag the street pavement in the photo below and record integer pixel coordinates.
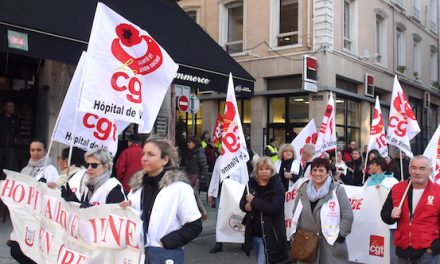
(196, 252)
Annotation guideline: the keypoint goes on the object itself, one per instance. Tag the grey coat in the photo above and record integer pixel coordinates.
(337, 253)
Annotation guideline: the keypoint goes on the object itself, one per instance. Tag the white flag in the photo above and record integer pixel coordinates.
(402, 125)
(377, 132)
(127, 74)
(432, 152)
(307, 136)
(91, 130)
(327, 132)
(234, 150)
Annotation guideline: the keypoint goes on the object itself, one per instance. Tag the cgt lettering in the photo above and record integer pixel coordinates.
(399, 125)
(119, 82)
(103, 128)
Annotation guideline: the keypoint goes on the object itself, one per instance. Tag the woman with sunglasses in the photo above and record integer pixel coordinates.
(166, 201)
(101, 188)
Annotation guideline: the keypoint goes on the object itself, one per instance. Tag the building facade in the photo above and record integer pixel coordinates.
(350, 39)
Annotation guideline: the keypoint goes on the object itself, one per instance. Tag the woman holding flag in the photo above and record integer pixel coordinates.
(263, 204)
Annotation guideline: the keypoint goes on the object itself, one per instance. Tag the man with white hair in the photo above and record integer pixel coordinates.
(417, 235)
(307, 153)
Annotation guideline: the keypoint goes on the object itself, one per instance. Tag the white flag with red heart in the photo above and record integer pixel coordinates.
(307, 136)
(432, 152)
(127, 72)
(327, 132)
(218, 130)
(234, 150)
(86, 130)
(377, 132)
(402, 125)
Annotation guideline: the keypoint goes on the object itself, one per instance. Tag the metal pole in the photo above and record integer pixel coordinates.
(172, 119)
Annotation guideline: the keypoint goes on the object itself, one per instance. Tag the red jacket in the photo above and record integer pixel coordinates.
(129, 162)
(424, 227)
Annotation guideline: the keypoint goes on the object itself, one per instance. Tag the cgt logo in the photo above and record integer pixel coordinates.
(377, 246)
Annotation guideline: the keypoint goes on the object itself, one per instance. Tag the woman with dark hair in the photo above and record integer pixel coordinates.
(35, 168)
(77, 165)
(374, 153)
(322, 207)
(265, 232)
(379, 177)
(165, 199)
(196, 167)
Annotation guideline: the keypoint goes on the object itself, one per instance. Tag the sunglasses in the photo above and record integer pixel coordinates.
(93, 165)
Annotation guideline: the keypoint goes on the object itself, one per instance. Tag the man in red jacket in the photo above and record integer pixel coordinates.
(129, 161)
(418, 219)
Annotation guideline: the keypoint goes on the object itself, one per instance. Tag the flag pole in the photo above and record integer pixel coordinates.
(401, 166)
(404, 194)
(365, 167)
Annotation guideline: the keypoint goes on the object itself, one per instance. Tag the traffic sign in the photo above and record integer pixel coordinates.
(183, 103)
(195, 104)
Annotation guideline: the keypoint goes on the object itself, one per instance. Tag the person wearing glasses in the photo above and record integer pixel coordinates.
(101, 188)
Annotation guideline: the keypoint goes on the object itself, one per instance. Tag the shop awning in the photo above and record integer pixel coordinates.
(59, 30)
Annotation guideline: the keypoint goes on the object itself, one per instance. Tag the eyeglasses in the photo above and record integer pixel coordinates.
(94, 165)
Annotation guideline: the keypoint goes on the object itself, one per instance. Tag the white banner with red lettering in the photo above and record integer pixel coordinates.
(90, 130)
(229, 217)
(369, 239)
(127, 74)
(327, 132)
(432, 152)
(402, 125)
(307, 136)
(377, 132)
(50, 230)
(234, 150)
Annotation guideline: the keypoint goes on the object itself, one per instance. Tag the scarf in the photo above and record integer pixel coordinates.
(33, 167)
(313, 194)
(376, 179)
(94, 184)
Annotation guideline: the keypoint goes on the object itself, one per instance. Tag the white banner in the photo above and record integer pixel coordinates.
(377, 132)
(50, 230)
(127, 73)
(234, 150)
(229, 227)
(327, 132)
(402, 125)
(369, 239)
(432, 152)
(91, 130)
(307, 136)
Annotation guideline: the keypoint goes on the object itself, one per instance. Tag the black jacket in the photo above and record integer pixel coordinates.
(196, 162)
(9, 131)
(271, 210)
(354, 177)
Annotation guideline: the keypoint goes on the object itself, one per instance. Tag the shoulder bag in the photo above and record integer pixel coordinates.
(304, 245)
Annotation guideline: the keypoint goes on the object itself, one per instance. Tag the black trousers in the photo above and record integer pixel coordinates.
(18, 255)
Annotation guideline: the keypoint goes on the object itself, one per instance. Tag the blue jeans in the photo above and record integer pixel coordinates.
(258, 246)
(426, 258)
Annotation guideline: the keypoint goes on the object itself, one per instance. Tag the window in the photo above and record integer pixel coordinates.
(400, 3)
(381, 37)
(433, 15)
(348, 121)
(288, 22)
(417, 57)
(400, 49)
(434, 66)
(292, 82)
(232, 27)
(192, 14)
(349, 25)
(416, 9)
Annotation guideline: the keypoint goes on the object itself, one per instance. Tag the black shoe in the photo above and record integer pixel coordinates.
(217, 248)
(9, 243)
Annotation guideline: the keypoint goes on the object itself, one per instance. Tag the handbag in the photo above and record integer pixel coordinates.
(304, 245)
(158, 255)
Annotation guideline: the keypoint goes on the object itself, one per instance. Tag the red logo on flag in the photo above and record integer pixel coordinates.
(129, 36)
(377, 246)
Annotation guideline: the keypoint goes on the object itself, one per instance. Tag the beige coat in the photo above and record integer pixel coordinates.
(326, 254)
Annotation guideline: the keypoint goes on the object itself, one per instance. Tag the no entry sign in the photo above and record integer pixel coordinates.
(183, 103)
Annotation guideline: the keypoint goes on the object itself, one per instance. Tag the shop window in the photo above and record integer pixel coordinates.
(277, 110)
(346, 85)
(348, 123)
(298, 109)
